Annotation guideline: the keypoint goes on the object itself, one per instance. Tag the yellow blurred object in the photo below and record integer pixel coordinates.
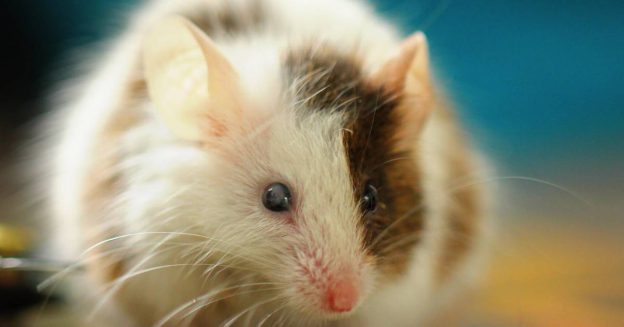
(555, 275)
(13, 240)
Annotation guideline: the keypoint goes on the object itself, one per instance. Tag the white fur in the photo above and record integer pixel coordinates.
(172, 186)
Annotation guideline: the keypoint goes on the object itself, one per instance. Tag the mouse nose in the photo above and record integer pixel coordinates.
(342, 296)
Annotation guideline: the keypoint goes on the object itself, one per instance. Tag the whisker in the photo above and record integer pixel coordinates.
(393, 224)
(231, 321)
(538, 181)
(168, 235)
(193, 310)
(53, 281)
(192, 302)
(456, 188)
(109, 293)
(398, 243)
(125, 277)
(370, 132)
(112, 239)
(57, 277)
(270, 314)
(389, 161)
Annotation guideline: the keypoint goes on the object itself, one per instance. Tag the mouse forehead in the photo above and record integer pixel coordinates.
(308, 153)
(363, 119)
(328, 84)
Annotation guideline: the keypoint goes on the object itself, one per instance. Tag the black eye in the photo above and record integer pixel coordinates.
(276, 197)
(369, 198)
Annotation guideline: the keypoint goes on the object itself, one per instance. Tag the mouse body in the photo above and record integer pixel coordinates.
(265, 162)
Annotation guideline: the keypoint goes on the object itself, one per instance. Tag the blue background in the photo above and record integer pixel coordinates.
(539, 83)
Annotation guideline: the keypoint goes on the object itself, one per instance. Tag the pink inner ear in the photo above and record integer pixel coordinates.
(217, 128)
(393, 72)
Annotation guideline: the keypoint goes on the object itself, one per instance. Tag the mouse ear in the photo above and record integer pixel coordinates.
(407, 73)
(192, 85)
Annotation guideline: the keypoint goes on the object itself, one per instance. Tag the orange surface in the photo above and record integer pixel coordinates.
(541, 275)
(556, 276)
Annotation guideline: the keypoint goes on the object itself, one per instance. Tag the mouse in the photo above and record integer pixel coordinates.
(264, 162)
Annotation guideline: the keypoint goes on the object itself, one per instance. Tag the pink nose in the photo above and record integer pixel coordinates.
(342, 297)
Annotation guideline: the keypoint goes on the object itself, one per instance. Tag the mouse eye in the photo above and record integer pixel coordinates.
(369, 198)
(276, 197)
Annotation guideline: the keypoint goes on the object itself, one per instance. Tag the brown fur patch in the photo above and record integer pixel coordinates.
(336, 83)
(461, 227)
(229, 20)
(466, 204)
(103, 183)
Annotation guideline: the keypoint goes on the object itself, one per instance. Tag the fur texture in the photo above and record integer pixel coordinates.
(174, 233)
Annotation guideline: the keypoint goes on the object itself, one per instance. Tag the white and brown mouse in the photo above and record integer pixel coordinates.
(265, 162)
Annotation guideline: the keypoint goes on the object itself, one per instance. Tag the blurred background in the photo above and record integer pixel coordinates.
(540, 85)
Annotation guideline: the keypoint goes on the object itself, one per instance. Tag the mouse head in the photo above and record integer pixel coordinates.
(309, 177)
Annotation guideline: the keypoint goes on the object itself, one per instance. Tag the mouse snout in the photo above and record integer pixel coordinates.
(331, 291)
(329, 282)
(341, 295)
